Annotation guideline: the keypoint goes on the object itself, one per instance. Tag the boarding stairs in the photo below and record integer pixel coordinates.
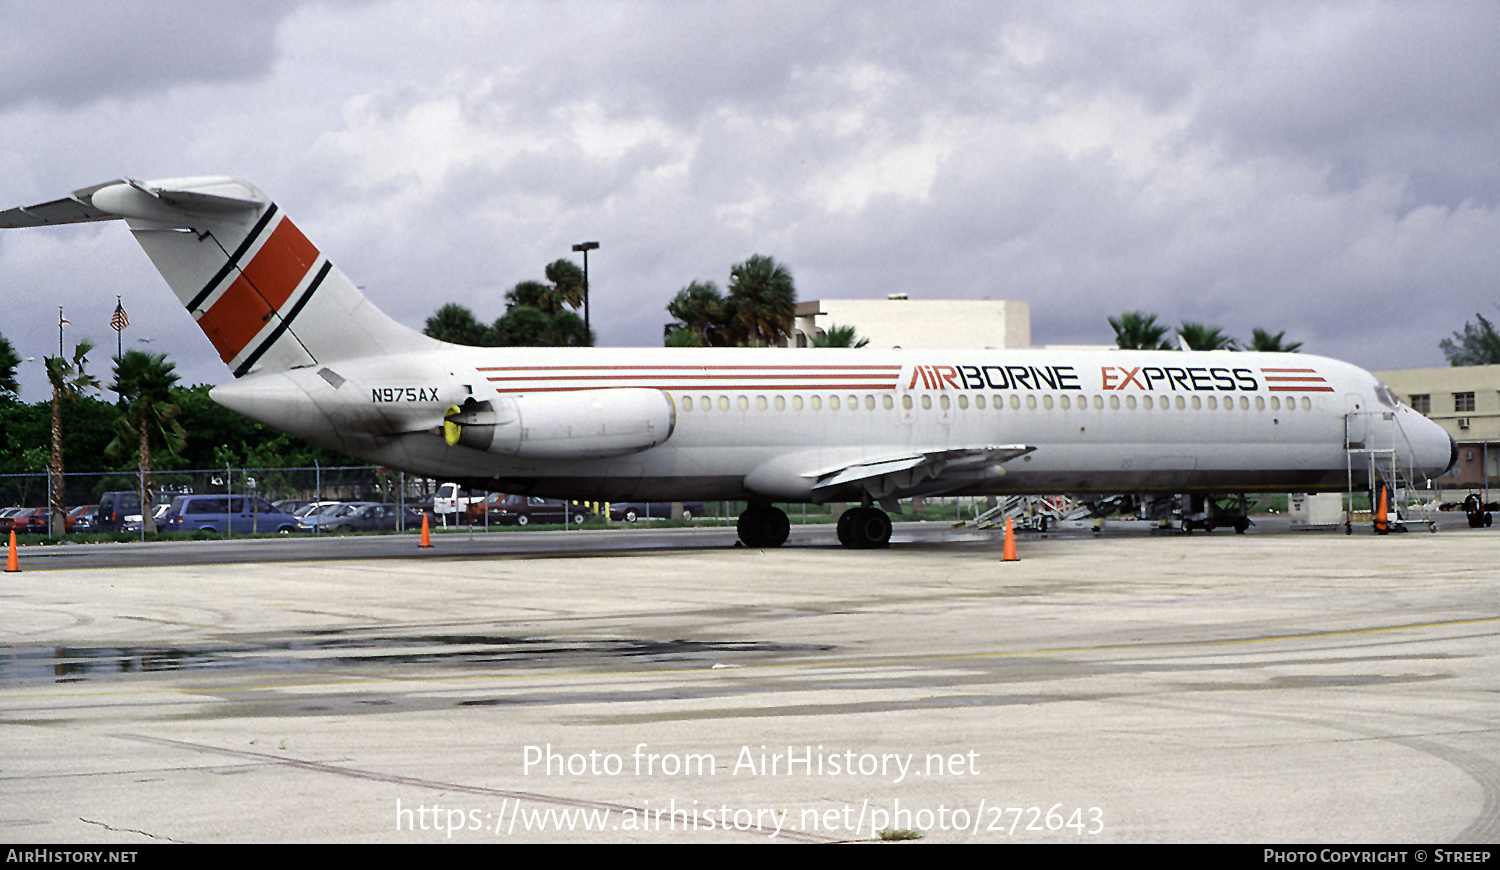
(1029, 512)
(1374, 445)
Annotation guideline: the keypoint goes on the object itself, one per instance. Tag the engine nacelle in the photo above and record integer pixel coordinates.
(577, 424)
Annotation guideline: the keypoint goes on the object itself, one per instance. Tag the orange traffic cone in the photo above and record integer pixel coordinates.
(12, 564)
(426, 534)
(1382, 512)
(1010, 544)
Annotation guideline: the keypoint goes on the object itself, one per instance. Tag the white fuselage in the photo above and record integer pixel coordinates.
(769, 423)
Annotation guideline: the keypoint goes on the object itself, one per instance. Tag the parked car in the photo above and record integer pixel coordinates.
(28, 520)
(451, 498)
(366, 517)
(235, 514)
(116, 506)
(525, 510)
(82, 518)
(630, 511)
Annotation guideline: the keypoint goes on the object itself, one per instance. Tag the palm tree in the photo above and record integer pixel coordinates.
(566, 289)
(1199, 336)
(1262, 340)
(69, 381)
(145, 382)
(1137, 330)
(456, 324)
(701, 317)
(839, 336)
(763, 300)
(9, 386)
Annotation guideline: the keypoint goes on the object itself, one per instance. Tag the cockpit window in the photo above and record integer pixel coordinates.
(1386, 397)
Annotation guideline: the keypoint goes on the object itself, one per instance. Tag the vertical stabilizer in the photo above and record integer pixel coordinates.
(266, 297)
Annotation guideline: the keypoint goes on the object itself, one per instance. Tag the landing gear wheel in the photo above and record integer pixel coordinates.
(763, 526)
(1241, 524)
(865, 528)
(846, 537)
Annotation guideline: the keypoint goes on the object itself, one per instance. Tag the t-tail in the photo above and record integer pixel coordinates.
(266, 297)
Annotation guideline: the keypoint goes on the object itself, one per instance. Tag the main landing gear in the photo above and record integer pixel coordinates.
(763, 526)
(861, 528)
(865, 528)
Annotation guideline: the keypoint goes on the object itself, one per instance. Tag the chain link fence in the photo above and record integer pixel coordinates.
(364, 483)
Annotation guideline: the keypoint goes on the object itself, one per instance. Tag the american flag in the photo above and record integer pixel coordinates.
(119, 321)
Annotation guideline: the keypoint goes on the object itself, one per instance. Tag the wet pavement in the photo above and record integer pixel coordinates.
(1133, 687)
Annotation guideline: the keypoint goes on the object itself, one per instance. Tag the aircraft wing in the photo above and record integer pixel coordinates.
(924, 473)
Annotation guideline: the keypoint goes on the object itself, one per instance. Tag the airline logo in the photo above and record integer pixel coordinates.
(247, 299)
(1187, 379)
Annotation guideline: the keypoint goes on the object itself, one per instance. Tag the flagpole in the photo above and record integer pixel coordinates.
(118, 321)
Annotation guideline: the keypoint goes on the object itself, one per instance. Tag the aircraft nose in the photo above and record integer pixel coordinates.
(1435, 453)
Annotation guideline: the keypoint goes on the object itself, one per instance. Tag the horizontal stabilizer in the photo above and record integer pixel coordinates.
(75, 209)
(127, 198)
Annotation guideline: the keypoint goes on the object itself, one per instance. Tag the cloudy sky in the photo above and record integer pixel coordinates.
(1327, 168)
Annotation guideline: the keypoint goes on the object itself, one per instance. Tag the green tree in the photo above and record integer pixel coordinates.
(145, 382)
(701, 317)
(456, 324)
(566, 289)
(1477, 345)
(1137, 330)
(1262, 340)
(840, 336)
(9, 361)
(529, 294)
(69, 381)
(762, 301)
(1199, 336)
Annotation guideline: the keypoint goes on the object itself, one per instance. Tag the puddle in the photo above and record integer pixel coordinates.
(40, 665)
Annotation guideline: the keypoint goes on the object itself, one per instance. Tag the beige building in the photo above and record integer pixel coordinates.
(1464, 400)
(901, 322)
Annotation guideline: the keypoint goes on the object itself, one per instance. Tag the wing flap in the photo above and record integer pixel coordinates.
(919, 467)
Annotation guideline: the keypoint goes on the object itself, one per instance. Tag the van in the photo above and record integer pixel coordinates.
(114, 507)
(235, 514)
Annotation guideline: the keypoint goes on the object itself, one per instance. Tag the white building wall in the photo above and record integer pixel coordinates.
(921, 323)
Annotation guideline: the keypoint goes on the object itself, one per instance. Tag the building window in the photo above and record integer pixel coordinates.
(1463, 403)
(1422, 403)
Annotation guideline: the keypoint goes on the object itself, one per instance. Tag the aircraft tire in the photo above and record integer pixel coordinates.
(871, 529)
(763, 526)
(846, 534)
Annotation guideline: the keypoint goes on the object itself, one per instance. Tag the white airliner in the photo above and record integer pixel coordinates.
(314, 358)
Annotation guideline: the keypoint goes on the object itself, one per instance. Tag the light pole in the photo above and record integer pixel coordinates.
(584, 248)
